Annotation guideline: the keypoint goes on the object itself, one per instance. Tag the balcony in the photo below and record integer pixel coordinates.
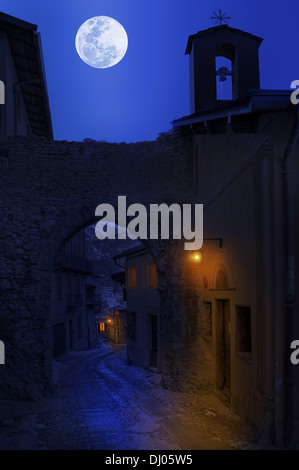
(73, 264)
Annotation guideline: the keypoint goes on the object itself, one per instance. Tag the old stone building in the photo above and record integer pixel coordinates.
(113, 325)
(72, 298)
(27, 110)
(42, 209)
(143, 306)
(245, 167)
(227, 314)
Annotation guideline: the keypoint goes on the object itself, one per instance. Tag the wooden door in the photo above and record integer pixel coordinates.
(224, 347)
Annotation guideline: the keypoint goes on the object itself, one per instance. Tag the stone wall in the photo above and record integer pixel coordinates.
(186, 362)
(48, 191)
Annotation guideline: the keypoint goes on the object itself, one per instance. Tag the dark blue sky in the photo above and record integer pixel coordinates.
(139, 97)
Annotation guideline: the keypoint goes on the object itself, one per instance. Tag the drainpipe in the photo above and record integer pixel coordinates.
(289, 305)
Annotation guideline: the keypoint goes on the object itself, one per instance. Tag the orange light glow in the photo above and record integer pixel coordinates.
(109, 320)
(197, 257)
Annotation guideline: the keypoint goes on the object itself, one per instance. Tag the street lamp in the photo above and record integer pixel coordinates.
(196, 257)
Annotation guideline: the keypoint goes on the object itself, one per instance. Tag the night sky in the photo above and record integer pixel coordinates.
(139, 97)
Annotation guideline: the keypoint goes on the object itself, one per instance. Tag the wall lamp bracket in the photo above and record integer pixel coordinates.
(220, 240)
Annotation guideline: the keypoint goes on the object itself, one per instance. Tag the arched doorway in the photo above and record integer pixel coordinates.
(49, 199)
(222, 285)
(73, 324)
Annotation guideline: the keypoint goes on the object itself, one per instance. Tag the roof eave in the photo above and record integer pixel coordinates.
(218, 28)
(22, 32)
(260, 102)
(17, 22)
(41, 65)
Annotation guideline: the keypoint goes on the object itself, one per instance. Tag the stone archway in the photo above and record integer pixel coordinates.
(71, 227)
(223, 282)
(49, 191)
(221, 273)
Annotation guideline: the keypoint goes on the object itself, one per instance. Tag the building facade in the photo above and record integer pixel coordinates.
(225, 320)
(73, 300)
(112, 325)
(23, 81)
(245, 165)
(143, 304)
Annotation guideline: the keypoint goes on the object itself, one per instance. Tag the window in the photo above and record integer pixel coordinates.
(243, 331)
(131, 325)
(132, 277)
(224, 78)
(152, 276)
(221, 279)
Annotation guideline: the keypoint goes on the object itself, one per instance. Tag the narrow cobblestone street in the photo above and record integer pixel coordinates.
(100, 402)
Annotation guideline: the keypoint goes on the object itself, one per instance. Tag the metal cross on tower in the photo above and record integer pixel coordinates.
(220, 17)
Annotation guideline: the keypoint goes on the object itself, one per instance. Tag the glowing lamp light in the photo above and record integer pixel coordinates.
(109, 320)
(196, 257)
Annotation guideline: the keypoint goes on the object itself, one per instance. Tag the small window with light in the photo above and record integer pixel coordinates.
(132, 277)
(152, 276)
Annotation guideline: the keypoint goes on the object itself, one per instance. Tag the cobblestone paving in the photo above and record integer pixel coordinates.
(100, 402)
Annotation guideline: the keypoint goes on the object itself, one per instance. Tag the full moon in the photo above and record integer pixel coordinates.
(101, 42)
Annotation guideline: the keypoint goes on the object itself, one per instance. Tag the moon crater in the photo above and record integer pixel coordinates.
(101, 42)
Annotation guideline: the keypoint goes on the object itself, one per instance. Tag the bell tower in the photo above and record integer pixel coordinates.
(238, 52)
